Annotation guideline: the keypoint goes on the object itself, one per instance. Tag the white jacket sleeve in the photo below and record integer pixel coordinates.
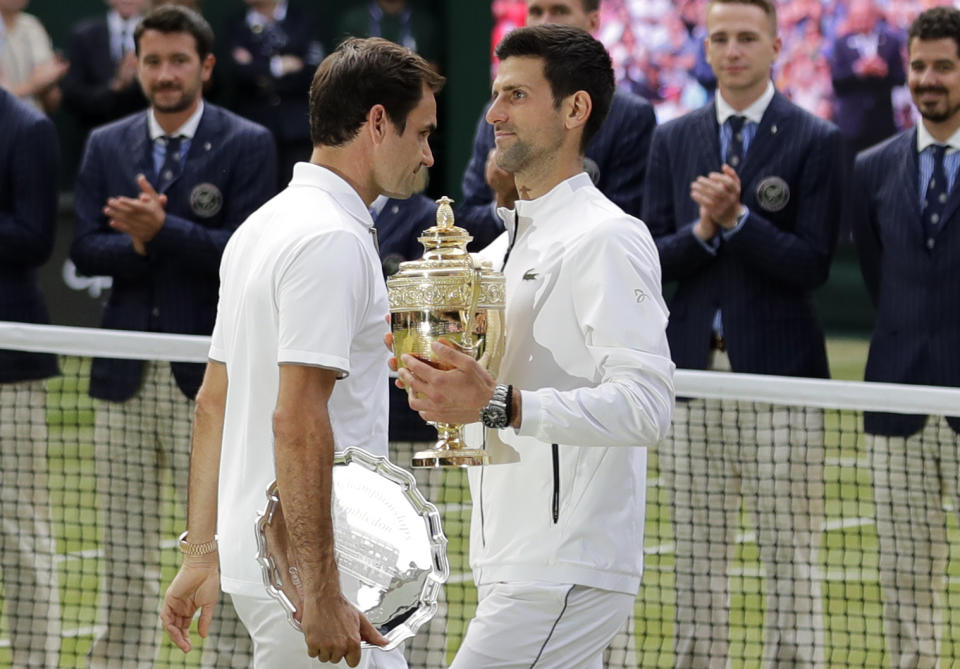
(614, 279)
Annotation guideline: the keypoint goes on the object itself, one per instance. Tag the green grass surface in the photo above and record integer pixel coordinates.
(848, 558)
(848, 358)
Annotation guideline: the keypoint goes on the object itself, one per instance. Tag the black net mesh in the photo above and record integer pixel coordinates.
(777, 534)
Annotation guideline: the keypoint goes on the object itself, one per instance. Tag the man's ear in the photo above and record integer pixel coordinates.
(578, 109)
(206, 70)
(377, 123)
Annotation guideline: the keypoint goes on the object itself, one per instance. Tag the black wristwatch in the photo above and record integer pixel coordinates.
(496, 415)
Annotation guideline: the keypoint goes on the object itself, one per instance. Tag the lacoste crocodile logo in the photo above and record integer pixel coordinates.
(530, 275)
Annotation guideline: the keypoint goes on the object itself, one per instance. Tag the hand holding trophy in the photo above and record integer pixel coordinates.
(447, 295)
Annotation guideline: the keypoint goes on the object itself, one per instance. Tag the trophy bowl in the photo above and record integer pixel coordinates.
(447, 295)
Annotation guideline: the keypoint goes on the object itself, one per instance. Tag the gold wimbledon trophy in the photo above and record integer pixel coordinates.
(447, 295)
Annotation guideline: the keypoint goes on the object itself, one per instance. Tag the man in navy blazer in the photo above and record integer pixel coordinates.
(274, 52)
(29, 157)
(615, 158)
(158, 195)
(101, 84)
(907, 231)
(744, 198)
(865, 66)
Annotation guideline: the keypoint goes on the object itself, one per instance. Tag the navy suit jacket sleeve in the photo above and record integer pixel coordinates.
(869, 245)
(98, 250)
(29, 158)
(681, 253)
(86, 86)
(27, 232)
(622, 146)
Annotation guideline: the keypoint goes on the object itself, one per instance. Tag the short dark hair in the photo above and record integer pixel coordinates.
(362, 73)
(573, 61)
(591, 5)
(936, 23)
(177, 19)
(768, 7)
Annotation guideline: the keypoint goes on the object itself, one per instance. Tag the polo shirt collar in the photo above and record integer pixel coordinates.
(317, 176)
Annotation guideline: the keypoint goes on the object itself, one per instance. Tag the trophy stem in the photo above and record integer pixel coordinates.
(450, 450)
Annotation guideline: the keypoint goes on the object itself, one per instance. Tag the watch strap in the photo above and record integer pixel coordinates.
(496, 413)
(188, 548)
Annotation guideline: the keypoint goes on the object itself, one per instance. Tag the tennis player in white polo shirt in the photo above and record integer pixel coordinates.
(297, 368)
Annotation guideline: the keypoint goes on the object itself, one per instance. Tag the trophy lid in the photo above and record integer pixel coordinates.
(446, 272)
(444, 240)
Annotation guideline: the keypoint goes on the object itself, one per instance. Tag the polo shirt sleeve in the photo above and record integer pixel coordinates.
(218, 349)
(321, 293)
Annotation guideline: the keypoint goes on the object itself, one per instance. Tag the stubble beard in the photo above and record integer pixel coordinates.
(181, 104)
(937, 116)
(514, 158)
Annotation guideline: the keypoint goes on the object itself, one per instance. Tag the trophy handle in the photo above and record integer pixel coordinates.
(466, 337)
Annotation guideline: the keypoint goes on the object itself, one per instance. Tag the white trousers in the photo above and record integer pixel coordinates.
(277, 645)
(429, 647)
(718, 456)
(30, 593)
(542, 625)
(912, 478)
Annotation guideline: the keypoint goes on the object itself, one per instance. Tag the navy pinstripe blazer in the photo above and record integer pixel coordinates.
(916, 289)
(174, 287)
(618, 151)
(763, 276)
(29, 156)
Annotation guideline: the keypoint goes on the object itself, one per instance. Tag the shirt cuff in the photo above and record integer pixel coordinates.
(727, 234)
(276, 66)
(709, 245)
(529, 413)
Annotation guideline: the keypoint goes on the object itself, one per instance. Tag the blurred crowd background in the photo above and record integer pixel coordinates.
(657, 47)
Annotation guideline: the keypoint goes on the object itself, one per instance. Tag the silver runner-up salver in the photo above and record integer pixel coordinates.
(390, 548)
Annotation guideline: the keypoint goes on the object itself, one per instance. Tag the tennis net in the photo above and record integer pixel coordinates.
(778, 533)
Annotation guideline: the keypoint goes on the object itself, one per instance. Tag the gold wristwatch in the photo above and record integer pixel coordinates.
(196, 549)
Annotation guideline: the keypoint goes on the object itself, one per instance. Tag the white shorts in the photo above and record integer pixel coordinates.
(542, 625)
(277, 644)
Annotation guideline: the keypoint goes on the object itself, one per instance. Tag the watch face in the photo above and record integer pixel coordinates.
(494, 417)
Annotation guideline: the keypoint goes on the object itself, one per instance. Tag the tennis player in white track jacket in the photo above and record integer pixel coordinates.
(585, 386)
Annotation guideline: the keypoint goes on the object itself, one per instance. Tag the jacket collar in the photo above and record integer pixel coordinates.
(530, 209)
